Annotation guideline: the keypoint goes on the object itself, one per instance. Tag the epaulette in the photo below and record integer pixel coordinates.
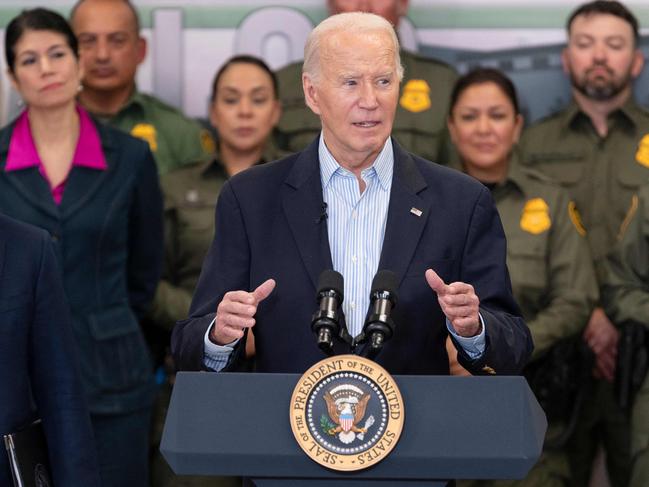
(428, 60)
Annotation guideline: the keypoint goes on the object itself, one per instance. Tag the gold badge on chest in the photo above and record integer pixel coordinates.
(148, 133)
(642, 155)
(207, 142)
(535, 217)
(416, 96)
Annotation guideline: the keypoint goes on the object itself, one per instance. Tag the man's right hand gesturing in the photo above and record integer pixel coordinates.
(235, 313)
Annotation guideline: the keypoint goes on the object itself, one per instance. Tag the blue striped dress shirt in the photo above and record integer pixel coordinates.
(356, 225)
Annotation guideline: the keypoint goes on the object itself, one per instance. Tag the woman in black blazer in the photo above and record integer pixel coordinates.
(95, 190)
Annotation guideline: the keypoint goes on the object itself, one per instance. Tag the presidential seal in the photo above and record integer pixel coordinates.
(346, 413)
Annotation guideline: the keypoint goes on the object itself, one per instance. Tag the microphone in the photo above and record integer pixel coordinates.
(323, 216)
(379, 326)
(328, 321)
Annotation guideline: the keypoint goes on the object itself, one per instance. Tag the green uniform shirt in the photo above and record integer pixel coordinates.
(625, 292)
(549, 262)
(553, 282)
(420, 121)
(190, 195)
(174, 139)
(625, 296)
(600, 174)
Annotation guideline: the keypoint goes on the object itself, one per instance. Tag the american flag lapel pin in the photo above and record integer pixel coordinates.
(416, 211)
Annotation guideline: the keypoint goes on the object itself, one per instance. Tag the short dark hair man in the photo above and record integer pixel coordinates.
(598, 149)
(111, 50)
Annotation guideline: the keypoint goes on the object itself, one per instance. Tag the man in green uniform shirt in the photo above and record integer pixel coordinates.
(598, 149)
(420, 122)
(626, 297)
(111, 49)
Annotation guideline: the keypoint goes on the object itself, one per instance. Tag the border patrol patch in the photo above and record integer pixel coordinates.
(575, 218)
(416, 96)
(535, 217)
(148, 133)
(207, 142)
(346, 413)
(642, 155)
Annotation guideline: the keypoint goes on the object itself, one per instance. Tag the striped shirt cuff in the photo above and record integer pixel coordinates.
(215, 357)
(473, 346)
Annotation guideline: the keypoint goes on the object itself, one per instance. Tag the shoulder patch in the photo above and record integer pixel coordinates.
(642, 154)
(535, 217)
(416, 96)
(148, 133)
(575, 218)
(207, 142)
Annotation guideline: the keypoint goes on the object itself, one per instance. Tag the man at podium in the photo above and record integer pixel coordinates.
(356, 202)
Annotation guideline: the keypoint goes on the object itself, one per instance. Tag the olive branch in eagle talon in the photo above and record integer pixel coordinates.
(325, 425)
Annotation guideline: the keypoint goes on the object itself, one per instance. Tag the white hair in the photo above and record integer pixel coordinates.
(352, 22)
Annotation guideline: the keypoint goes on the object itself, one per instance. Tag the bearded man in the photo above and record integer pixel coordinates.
(598, 149)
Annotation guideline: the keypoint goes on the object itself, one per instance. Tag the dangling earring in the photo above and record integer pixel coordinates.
(20, 102)
(79, 88)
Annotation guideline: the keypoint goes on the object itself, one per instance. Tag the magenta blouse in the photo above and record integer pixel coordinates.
(22, 150)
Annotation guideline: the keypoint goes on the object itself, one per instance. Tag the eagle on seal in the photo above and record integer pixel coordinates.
(346, 408)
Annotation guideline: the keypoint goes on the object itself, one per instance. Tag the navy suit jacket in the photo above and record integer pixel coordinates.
(38, 369)
(108, 239)
(267, 226)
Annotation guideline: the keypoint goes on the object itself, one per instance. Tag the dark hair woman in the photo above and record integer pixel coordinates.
(95, 190)
(549, 262)
(244, 109)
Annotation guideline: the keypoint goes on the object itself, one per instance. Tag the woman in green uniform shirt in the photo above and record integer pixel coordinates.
(550, 268)
(244, 110)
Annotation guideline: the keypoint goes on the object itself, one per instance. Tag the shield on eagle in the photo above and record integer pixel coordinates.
(346, 405)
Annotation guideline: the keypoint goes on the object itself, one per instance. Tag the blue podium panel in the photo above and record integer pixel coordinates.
(455, 428)
(345, 482)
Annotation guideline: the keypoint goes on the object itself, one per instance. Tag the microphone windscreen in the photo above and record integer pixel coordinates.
(330, 279)
(385, 280)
